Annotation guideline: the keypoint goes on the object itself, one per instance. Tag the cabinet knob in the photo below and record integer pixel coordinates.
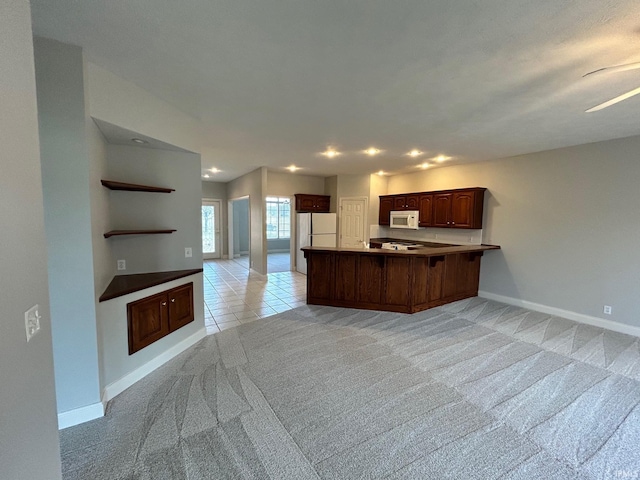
(164, 304)
(453, 223)
(448, 223)
(173, 300)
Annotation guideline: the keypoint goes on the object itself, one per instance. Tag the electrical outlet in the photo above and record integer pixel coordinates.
(608, 310)
(187, 252)
(122, 264)
(32, 321)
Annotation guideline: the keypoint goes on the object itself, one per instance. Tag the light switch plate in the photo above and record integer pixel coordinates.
(122, 264)
(32, 321)
(188, 252)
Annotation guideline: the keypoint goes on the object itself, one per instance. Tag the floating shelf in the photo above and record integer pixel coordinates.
(114, 233)
(133, 187)
(125, 284)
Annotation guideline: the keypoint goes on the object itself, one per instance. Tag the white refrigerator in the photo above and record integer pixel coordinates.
(314, 229)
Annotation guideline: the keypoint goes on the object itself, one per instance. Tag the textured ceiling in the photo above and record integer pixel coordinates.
(277, 81)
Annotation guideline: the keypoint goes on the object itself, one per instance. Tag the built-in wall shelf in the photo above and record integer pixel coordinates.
(125, 284)
(114, 233)
(133, 187)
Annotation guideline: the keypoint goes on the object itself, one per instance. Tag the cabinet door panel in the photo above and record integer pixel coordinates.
(398, 281)
(148, 321)
(420, 293)
(386, 205)
(462, 209)
(441, 209)
(399, 202)
(346, 277)
(450, 287)
(426, 210)
(323, 203)
(468, 273)
(180, 306)
(412, 202)
(319, 279)
(370, 271)
(436, 278)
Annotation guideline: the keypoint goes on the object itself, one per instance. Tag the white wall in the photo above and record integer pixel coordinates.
(288, 184)
(254, 185)
(567, 222)
(66, 172)
(123, 103)
(28, 427)
(180, 210)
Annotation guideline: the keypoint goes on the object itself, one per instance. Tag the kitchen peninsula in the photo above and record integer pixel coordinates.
(425, 275)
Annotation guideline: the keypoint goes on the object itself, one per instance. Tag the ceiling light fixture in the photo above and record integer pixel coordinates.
(331, 153)
(414, 153)
(381, 172)
(372, 151)
(424, 166)
(206, 175)
(442, 158)
(619, 98)
(214, 170)
(292, 168)
(139, 141)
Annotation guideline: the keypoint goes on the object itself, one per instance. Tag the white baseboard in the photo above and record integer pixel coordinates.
(119, 386)
(558, 312)
(80, 415)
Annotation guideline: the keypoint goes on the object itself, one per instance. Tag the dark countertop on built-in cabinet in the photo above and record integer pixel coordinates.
(125, 284)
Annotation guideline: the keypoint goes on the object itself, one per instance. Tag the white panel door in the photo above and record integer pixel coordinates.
(352, 222)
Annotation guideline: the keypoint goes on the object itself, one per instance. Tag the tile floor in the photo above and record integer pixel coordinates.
(233, 294)
(276, 262)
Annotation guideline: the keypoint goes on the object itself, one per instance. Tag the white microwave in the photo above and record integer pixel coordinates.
(405, 219)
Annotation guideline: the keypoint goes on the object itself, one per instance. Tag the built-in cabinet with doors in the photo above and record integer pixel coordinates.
(151, 318)
(306, 203)
(461, 208)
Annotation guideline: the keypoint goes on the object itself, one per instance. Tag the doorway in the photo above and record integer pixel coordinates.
(240, 231)
(278, 233)
(211, 212)
(353, 218)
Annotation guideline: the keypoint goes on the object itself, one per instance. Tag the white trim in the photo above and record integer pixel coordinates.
(578, 317)
(119, 386)
(80, 415)
(365, 233)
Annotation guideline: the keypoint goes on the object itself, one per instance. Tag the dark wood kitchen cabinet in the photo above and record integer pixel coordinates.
(425, 207)
(151, 318)
(386, 205)
(406, 202)
(389, 280)
(460, 208)
(306, 203)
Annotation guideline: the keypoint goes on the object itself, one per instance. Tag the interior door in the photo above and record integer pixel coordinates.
(211, 228)
(353, 218)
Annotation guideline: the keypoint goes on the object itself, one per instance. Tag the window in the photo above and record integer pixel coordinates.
(278, 217)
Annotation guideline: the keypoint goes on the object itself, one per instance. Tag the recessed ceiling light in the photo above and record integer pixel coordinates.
(292, 168)
(372, 151)
(206, 175)
(442, 158)
(424, 166)
(139, 141)
(415, 153)
(330, 153)
(381, 172)
(214, 170)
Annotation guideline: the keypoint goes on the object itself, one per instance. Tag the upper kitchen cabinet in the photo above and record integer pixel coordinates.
(458, 208)
(312, 203)
(406, 202)
(425, 207)
(386, 205)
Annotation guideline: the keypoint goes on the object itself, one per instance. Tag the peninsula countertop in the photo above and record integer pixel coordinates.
(421, 251)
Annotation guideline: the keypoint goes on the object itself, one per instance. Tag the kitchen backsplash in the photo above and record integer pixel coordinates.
(440, 235)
